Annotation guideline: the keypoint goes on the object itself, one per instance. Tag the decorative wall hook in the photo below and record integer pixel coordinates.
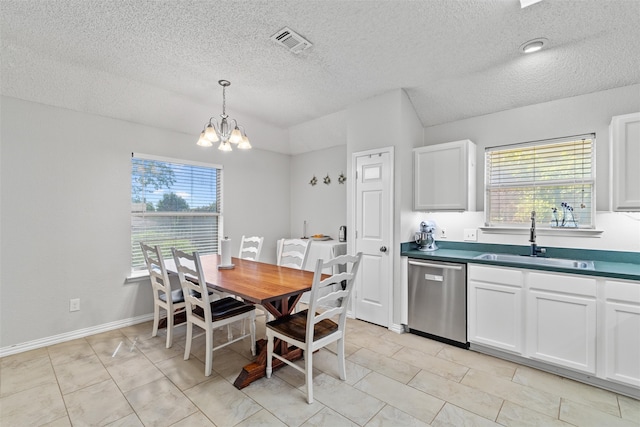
(314, 180)
(341, 178)
(327, 180)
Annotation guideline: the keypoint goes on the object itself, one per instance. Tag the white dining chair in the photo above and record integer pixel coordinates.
(313, 328)
(293, 253)
(251, 247)
(207, 313)
(172, 301)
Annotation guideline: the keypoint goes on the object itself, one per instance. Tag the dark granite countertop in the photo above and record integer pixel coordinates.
(613, 264)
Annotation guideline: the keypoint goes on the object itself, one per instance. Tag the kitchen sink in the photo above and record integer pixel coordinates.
(549, 262)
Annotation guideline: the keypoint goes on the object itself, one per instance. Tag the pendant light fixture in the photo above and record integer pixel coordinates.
(223, 132)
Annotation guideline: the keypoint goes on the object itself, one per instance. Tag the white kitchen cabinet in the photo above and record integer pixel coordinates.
(444, 177)
(625, 157)
(622, 332)
(561, 320)
(494, 307)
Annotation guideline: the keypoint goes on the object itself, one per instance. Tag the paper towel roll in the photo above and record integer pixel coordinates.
(225, 252)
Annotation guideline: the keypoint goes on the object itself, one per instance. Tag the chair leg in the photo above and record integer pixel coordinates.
(187, 346)
(252, 330)
(209, 349)
(308, 374)
(156, 320)
(269, 354)
(341, 364)
(170, 321)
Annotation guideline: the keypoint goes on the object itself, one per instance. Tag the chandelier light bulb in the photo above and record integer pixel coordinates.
(225, 146)
(236, 136)
(203, 141)
(211, 134)
(244, 144)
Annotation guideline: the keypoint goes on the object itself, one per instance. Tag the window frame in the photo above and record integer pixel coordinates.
(494, 226)
(142, 271)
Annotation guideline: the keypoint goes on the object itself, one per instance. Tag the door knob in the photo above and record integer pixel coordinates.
(383, 249)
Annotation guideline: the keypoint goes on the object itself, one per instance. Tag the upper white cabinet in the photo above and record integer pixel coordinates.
(444, 177)
(625, 158)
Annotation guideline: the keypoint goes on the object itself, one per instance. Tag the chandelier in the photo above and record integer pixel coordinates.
(223, 132)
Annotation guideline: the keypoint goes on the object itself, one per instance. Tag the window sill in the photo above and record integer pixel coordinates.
(137, 276)
(565, 232)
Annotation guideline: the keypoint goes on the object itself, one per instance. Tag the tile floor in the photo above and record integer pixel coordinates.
(393, 380)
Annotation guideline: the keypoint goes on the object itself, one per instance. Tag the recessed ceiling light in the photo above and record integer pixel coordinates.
(533, 45)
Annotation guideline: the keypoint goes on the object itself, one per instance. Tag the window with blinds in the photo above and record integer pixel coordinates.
(174, 204)
(555, 178)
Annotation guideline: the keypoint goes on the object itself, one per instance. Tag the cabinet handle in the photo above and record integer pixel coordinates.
(444, 267)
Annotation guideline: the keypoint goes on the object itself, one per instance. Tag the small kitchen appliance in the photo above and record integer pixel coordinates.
(425, 237)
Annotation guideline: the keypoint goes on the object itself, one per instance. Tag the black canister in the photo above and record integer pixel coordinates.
(342, 235)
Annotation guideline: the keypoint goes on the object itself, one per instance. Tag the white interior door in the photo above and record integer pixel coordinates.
(374, 235)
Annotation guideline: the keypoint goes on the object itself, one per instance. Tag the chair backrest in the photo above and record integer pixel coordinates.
(194, 286)
(250, 247)
(157, 270)
(293, 253)
(324, 305)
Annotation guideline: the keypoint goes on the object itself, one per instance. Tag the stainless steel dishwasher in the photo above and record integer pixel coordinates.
(438, 300)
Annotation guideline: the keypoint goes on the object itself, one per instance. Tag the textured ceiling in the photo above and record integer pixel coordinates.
(158, 62)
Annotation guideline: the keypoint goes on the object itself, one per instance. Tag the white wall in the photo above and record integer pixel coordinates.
(564, 117)
(322, 206)
(65, 214)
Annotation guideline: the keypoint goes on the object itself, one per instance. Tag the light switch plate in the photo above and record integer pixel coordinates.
(471, 234)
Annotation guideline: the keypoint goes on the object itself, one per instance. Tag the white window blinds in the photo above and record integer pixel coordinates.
(554, 178)
(173, 204)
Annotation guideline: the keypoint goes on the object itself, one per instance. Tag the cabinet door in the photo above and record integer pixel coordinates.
(444, 177)
(561, 329)
(494, 307)
(622, 332)
(625, 145)
(495, 316)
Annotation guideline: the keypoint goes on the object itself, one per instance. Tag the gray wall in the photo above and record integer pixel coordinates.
(322, 206)
(65, 221)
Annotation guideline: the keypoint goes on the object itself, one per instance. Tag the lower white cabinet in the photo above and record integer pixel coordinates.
(561, 320)
(494, 316)
(586, 324)
(622, 332)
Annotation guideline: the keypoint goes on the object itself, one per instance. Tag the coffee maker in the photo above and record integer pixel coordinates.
(425, 237)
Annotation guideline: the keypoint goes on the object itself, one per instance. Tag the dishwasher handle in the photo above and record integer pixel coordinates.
(442, 266)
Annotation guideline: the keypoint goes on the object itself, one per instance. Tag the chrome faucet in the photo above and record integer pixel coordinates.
(535, 250)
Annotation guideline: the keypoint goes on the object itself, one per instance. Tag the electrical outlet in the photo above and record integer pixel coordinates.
(471, 234)
(443, 233)
(74, 304)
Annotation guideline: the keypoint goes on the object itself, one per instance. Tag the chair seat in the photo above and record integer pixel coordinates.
(225, 307)
(176, 296)
(295, 326)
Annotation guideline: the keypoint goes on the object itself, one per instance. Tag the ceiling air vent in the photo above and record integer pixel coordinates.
(291, 40)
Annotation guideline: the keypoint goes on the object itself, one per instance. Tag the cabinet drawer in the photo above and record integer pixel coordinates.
(563, 283)
(622, 291)
(500, 275)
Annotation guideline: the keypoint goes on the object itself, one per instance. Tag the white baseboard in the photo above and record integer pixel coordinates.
(68, 336)
(397, 328)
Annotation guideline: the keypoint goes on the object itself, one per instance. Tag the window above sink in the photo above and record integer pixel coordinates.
(553, 177)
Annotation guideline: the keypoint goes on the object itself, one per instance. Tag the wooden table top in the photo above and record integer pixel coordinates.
(257, 282)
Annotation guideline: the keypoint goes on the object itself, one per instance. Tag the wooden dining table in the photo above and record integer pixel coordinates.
(277, 289)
